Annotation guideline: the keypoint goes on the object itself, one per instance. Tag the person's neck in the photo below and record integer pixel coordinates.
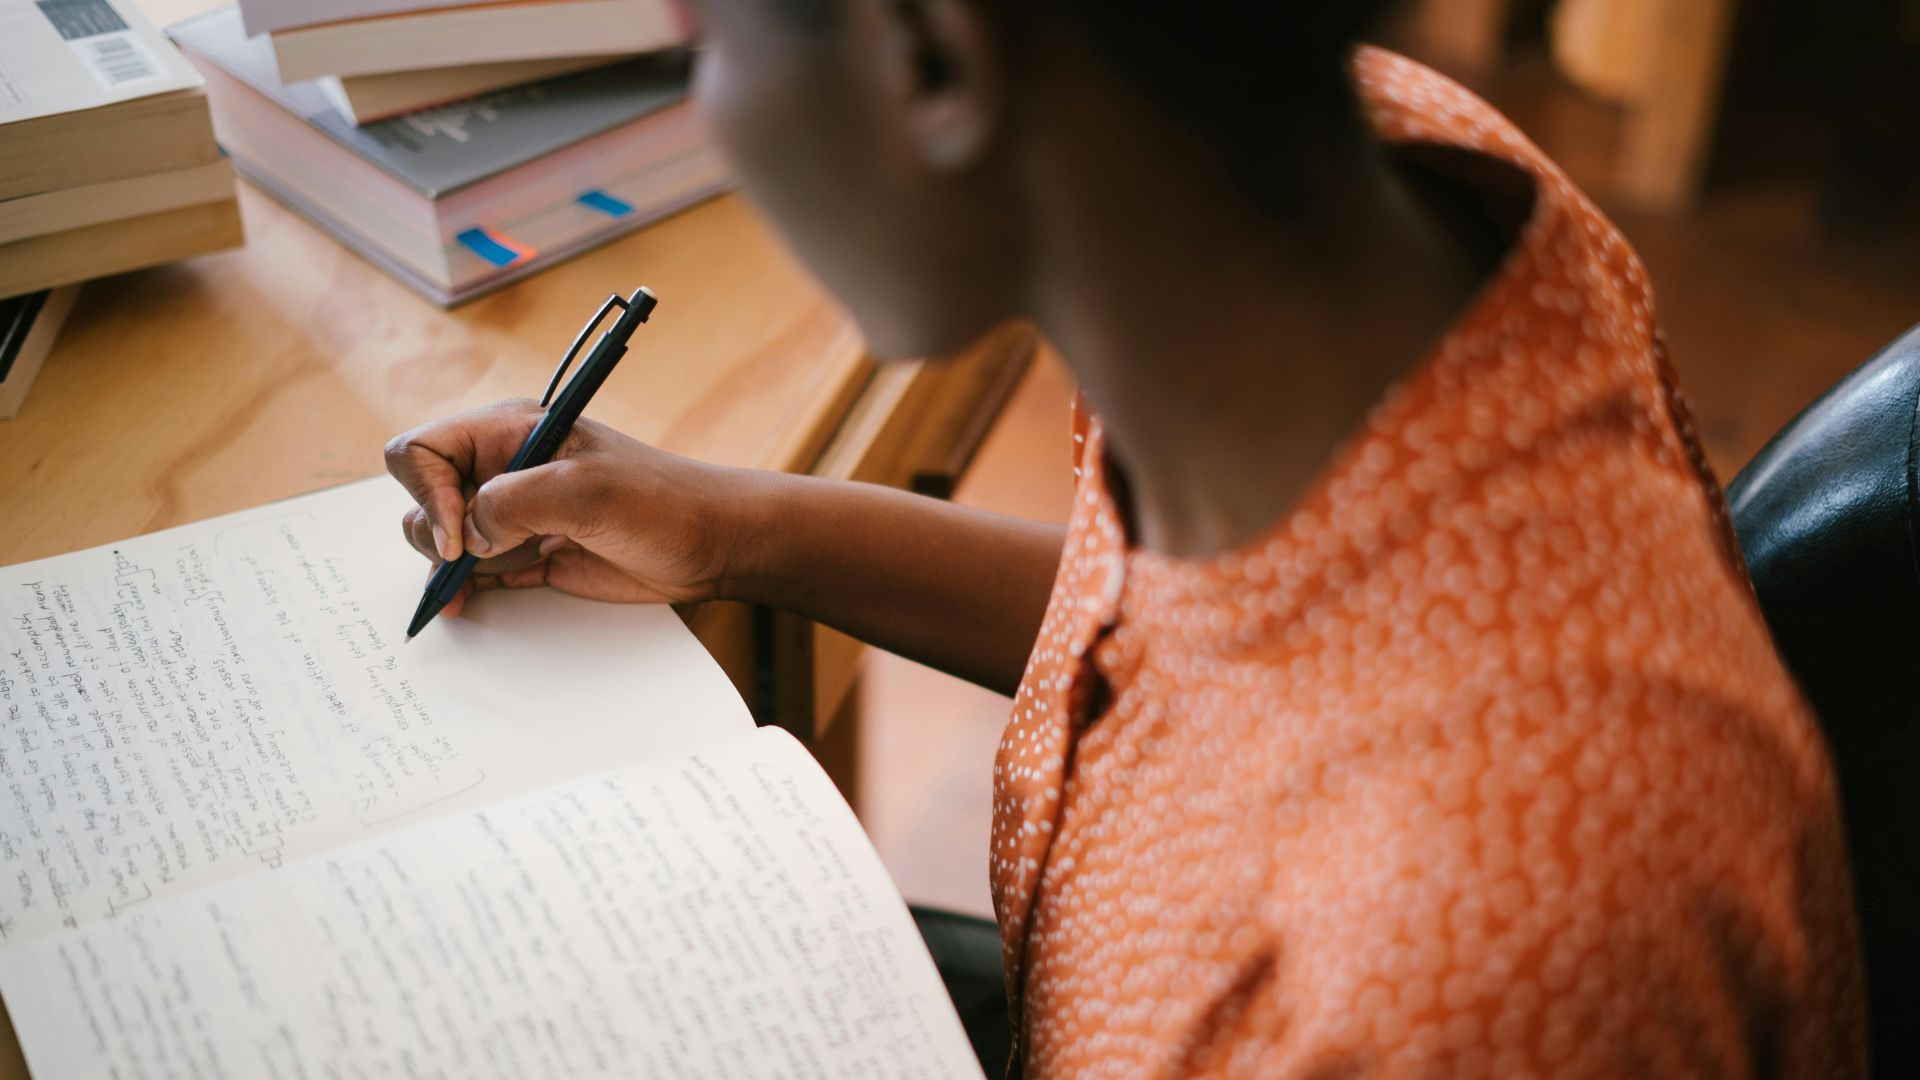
(1228, 352)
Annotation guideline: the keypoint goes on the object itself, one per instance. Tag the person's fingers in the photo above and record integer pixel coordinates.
(436, 486)
(522, 568)
(436, 461)
(528, 577)
(459, 602)
(515, 508)
(434, 481)
(472, 587)
(414, 524)
(474, 583)
(513, 558)
(419, 533)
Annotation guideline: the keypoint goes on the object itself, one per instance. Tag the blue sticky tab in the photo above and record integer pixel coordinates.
(606, 203)
(482, 243)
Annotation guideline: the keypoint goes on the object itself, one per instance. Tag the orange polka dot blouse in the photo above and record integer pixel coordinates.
(1480, 763)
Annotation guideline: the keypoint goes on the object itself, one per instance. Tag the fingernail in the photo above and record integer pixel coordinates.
(440, 544)
(475, 542)
(551, 544)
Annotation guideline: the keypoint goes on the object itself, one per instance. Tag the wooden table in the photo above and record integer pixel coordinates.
(228, 381)
(236, 379)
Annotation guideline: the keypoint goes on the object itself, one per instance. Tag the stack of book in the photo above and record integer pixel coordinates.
(380, 58)
(107, 163)
(459, 147)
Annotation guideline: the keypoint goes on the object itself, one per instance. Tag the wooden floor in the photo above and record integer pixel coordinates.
(1761, 312)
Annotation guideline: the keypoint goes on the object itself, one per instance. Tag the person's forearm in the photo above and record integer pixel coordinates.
(959, 589)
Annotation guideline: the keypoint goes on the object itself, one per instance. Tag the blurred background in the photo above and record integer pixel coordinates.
(1762, 155)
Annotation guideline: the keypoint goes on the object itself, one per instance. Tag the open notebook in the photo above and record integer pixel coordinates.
(244, 832)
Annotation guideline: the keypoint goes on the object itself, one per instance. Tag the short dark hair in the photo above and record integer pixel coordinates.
(1203, 57)
(1265, 83)
(1246, 75)
(1212, 59)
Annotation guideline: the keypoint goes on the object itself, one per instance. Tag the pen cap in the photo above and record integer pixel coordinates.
(638, 307)
(642, 303)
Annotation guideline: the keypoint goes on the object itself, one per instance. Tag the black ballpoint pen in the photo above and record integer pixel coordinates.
(551, 431)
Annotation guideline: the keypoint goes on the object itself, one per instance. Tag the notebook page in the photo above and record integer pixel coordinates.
(223, 697)
(720, 915)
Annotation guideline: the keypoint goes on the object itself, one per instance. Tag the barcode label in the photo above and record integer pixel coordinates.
(116, 59)
(81, 18)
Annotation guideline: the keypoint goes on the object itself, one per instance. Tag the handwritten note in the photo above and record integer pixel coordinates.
(715, 914)
(202, 702)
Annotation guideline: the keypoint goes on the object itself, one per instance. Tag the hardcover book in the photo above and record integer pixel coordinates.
(462, 199)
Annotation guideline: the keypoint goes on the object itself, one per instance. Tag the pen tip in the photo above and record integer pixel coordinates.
(409, 638)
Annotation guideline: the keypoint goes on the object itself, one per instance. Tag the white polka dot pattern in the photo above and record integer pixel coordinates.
(1480, 763)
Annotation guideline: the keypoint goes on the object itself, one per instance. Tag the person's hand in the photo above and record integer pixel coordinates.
(609, 518)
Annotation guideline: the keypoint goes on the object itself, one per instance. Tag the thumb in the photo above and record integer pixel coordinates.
(512, 508)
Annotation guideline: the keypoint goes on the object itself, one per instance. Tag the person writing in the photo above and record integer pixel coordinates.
(1394, 702)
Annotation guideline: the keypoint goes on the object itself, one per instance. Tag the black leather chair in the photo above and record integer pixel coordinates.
(1828, 515)
(966, 952)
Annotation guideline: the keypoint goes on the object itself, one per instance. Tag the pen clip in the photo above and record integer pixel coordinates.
(566, 361)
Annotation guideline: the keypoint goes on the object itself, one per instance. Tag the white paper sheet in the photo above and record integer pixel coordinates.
(715, 915)
(190, 705)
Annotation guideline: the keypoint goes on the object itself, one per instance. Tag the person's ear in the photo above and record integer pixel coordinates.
(945, 78)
